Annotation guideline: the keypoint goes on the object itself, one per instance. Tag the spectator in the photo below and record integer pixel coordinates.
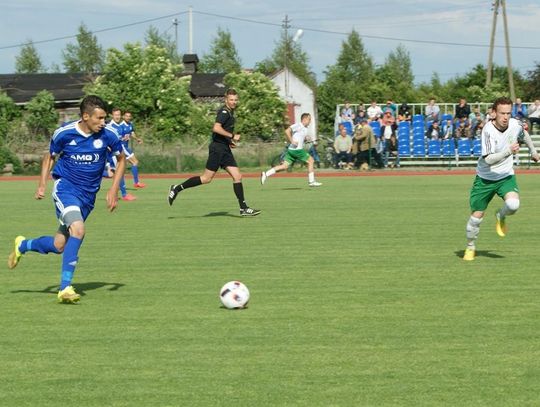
(476, 132)
(343, 148)
(478, 121)
(390, 107)
(374, 111)
(463, 130)
(448, 129)
(391, 151)
(534, 114)
(346, 112)
(387, 131)
(434, 132)
(404, 113)
(360, 115)
(474, 116)
(519, 110)
(463, 110)
(432, 111)
(365, 143)
(490, 115)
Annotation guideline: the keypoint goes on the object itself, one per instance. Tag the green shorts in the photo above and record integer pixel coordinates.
(483, 191)
(296, 155)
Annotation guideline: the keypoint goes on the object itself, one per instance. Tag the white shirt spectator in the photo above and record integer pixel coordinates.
(374, 112)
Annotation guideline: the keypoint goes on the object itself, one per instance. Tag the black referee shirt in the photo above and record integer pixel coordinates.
(225, 117)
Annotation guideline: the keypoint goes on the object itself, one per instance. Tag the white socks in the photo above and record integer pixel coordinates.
(270, 172)
(511, 205)
(473, 228)
(311, 177)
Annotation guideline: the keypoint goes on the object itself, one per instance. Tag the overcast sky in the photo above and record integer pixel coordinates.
(325, 27)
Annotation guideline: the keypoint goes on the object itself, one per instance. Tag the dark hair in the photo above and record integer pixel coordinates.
(504, 100)
(304, 115)
(90, 103)
(231, 91)
(116, 109)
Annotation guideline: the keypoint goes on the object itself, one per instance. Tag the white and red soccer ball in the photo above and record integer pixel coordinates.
(234, 295)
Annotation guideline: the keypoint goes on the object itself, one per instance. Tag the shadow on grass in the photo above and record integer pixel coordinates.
(216, 214)
(292, 189)
(481, 253)
(80, 288)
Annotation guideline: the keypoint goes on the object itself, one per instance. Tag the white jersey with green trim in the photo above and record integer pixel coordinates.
(299, 134)
(495, 141)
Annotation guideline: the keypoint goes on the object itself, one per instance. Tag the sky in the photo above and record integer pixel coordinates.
(255, 28)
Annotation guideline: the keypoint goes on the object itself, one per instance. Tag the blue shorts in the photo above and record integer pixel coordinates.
(68, 199)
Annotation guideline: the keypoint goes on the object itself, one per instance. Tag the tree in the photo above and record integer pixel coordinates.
(163, 40)
(288, 53)
(84, 56)
(532, 84)
(41, 117)
(8, 112)
(350, 78)
(223, 56)
(261, 112)
(396, 74)
(28, 61)
(143, 80)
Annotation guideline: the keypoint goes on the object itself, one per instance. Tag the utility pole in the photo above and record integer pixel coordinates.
(286, 25)
(175, 23)
(489, 73)
(190, 37)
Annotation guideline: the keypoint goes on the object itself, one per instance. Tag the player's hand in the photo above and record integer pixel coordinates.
(536, 157)
(514, 148)
(140, 141)
(40, 193)
(112, 200)
(236, 138)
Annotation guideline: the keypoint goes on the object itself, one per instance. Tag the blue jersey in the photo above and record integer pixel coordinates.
(82, 157)
(127, 129)
(119, 127)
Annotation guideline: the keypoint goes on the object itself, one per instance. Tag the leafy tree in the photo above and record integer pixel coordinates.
(261, 112)
(350, 78)
(296, 59)
(163, 40)
(143, 80)
(532, 83)
(396, 73)
(41, 117)
(8, 112)
(84, 56)
(223, 56)
(28, 61)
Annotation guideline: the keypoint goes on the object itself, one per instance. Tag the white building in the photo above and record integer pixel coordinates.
(299, 96)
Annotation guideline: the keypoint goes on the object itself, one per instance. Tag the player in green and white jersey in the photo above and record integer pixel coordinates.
(495, 172)
(297, 135)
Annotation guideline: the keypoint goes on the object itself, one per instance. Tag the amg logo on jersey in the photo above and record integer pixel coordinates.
(85, 158)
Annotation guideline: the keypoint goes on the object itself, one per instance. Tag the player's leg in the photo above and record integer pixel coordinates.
(135, 171)
(281, 167)
(472, 229)
(511, 206)
(238, 188)
(70, 257)
(311, 170)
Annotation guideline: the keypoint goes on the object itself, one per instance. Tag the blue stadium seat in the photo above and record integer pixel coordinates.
(464, 147)
(448, 147)
(446, 116)
(376, 126)
(419, 151)
(418, 117)
(404, 149)
(404, 125)
(434, 148)
(348, 126)
(477, 147)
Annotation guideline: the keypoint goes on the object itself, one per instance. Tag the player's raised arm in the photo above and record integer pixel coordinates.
(112, 194)
(46, 166)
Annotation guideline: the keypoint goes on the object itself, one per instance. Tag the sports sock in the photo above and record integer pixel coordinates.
(123, 190)
(69, 260)
(473, 229)
(43, 245)
(239, 192)
(135, 172)
(190, 183)
(510, 207)
(270, 172)
(311, 177)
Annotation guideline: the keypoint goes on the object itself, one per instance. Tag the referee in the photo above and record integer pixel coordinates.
(220, 155)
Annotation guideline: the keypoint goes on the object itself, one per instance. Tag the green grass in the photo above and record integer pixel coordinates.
(359, 297)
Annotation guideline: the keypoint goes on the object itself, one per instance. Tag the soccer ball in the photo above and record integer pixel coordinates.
(234, 295)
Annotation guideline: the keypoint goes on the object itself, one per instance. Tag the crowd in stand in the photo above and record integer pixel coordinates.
(368, 135)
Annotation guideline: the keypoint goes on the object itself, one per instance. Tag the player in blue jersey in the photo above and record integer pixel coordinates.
(129, 132)
(117, 124)
(77, 156)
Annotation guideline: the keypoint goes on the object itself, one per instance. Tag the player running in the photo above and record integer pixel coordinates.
(495, 172)
(297, 135)
(128, 131)
(80, 151)
(117, 124)
(220, 155)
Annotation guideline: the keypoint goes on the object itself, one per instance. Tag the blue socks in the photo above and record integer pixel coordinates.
(43, 245)
(123, 187)
(135, 172)
(69, 261)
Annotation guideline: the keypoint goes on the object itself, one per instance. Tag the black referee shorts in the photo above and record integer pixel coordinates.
(219, 155)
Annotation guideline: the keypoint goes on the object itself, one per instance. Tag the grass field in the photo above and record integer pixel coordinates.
(359, 297)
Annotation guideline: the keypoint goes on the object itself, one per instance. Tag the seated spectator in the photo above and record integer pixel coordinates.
(448, 129)
(374, 111)
(404, 113)
(474, 116)
(476, 132)
(534, 114)
(365, 147)
(463, 110)
(346, 113)
(360, 115)
(391, 152)
(390, 107)
(432, 111)
(463, 130)
(519, 110)
(343, 148)
(434, 132)
(490, 115)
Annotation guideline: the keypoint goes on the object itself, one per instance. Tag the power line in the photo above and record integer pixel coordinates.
(118, 27)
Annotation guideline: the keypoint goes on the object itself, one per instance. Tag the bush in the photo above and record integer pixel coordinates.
(8, 157)
(41, 116)
(8, 112)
